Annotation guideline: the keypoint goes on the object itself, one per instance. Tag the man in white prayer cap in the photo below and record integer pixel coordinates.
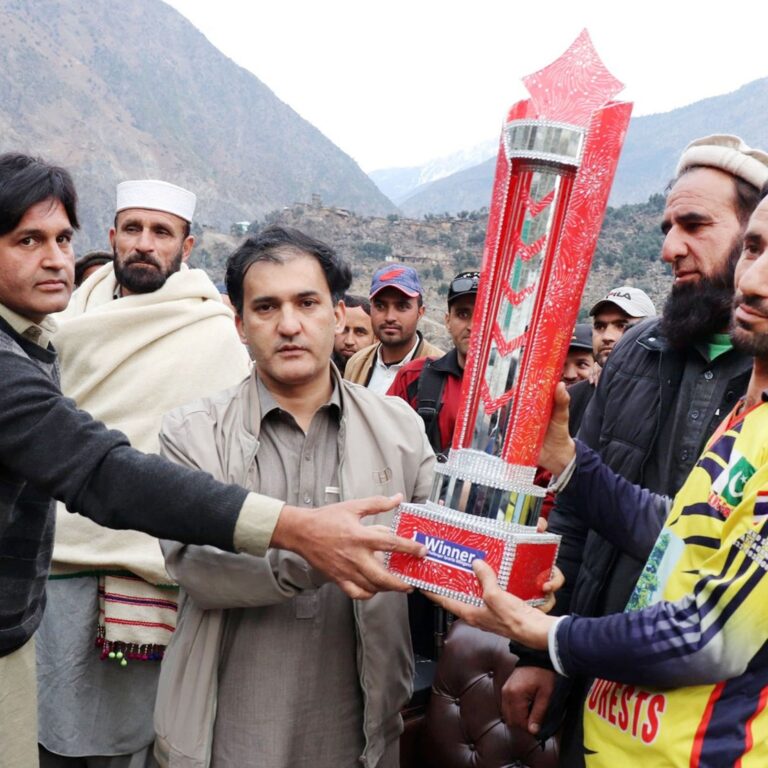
(142, 335)
(151, 235)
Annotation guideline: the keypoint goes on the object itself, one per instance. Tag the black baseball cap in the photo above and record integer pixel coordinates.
(581, 337)
(463, 284)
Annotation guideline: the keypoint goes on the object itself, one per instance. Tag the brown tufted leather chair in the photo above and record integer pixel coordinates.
(463, 727)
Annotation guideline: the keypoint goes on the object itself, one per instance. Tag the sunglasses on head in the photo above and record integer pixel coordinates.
(463, 284)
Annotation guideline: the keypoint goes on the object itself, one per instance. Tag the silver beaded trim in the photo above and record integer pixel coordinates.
(484, 469)
(544, 140)
(511, 534)
(486, 525)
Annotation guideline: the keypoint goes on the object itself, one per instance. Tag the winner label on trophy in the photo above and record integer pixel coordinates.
(557, 158)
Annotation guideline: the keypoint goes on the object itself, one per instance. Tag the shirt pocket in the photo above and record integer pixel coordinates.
(306, 604)
(381, 482)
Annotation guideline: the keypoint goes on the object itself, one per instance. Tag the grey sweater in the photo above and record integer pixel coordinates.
(50, 449)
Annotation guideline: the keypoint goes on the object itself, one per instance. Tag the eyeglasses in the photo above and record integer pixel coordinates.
(465, 284)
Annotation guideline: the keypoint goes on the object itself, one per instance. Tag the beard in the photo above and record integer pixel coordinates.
(339, 361)
(694, 312)
(750, 342)
(138, 279)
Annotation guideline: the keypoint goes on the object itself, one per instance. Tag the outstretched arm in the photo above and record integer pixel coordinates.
(332, 539)
(711, 634)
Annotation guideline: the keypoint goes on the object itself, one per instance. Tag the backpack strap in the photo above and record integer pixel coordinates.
(428, 404)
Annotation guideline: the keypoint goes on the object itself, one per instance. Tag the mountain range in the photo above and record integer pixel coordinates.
(114, 91)
(399, 184)
(651, 149)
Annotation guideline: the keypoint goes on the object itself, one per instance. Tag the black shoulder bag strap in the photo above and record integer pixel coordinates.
(430, 391)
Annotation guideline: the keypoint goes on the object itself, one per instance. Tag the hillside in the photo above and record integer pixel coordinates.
(469, 189)
(647, 163)
(654, 142)
(125, 90)
(440, 246)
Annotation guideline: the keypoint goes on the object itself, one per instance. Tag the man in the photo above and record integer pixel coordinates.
(139, 339)
(357, 332)
(682, 674)
(662, 393)
(86, 265)
(49, 449)
(432, 387)
(579, 359)
(621, 308)
(396, 308)
(284, 672)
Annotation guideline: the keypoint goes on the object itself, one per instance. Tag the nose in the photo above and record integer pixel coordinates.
(57, 256)
(569, 372)
(674, 246)
(753, 281)
(146, 241)
(289, 324)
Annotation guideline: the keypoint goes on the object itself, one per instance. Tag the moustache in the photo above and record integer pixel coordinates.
(141, 258)
(753, 302)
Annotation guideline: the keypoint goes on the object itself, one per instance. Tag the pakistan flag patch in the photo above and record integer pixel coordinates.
(729, 484)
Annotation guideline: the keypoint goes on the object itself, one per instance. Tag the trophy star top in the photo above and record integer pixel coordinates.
(573, 87)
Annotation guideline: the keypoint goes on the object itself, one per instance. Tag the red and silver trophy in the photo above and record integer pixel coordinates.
(557, 157)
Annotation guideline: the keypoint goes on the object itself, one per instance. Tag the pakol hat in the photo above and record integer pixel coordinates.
(399, 276)
(632, 301)
(726, 153)
(156, 196)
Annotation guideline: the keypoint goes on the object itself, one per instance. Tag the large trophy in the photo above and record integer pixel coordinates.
(557, 157)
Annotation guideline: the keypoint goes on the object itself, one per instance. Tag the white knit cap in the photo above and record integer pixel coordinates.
(156, 196)
(729, 154)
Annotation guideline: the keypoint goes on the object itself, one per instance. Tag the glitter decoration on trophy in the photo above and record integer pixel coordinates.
(557, 158)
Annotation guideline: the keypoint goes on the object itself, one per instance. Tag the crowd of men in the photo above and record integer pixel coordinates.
(246, 618)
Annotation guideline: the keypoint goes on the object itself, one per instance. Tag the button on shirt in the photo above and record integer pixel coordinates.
(300, 468)
(701, 402)
(289, 692)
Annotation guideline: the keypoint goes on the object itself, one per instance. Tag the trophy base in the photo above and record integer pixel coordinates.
(522, 558)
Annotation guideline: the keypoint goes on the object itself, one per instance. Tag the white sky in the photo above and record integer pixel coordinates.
(401, 82)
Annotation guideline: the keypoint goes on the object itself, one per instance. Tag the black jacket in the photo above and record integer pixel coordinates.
(50, 449)
(581, 394)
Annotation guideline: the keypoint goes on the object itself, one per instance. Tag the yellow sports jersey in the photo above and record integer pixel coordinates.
(705, 597)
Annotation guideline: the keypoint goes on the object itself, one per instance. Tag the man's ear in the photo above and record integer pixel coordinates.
(240, 330)
(340, 313)
(422, 309)
(112, 233)
(186, 248)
